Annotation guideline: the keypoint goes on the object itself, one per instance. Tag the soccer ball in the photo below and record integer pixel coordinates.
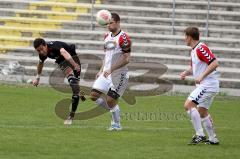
(103, 17)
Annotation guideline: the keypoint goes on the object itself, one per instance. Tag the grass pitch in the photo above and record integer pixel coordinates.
(156, 127)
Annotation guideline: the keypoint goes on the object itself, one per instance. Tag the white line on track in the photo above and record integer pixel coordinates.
(96, 127)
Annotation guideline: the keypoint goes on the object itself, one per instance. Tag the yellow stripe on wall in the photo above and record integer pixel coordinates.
(53, 25)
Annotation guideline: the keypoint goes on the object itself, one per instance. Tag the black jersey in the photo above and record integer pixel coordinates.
(54, 51)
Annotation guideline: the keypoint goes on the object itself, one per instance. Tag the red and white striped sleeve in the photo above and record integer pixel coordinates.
(205, 54)
(125, 43)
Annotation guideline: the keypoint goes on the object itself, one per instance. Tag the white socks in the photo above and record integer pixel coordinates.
(115, 111)
(196, 121)
(208, 125)
(102, 103)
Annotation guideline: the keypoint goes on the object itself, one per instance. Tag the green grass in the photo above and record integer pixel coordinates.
(29, 128)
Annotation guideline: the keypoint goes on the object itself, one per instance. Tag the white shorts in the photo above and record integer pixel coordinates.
(115, 82)
(202, 97)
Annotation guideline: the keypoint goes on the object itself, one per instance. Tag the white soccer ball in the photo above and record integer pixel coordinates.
(103, 17)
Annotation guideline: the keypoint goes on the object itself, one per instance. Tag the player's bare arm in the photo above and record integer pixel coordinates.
(209, 70)
(185, 73)
(69, 58)
(39, 72)
(123, 60)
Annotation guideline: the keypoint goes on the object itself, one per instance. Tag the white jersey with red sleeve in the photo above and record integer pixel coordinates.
(114, 47)
(201, 57)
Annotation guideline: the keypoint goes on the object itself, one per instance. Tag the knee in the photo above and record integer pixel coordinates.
(73, 82)
(111, 102)
(203, 112)
(94, 96)
(202, 115)
(76, 90)
(188, 105)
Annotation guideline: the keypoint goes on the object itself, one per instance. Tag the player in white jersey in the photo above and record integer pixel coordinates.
(203, 68)
(112, 79)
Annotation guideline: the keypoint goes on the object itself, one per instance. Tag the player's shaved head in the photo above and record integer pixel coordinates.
(38, 41)
(192, 32)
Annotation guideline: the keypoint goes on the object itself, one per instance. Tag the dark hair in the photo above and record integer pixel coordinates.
(38, 41)
(115, 17)
(192, 32)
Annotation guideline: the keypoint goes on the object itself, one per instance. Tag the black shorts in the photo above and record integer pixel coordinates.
(64, 64)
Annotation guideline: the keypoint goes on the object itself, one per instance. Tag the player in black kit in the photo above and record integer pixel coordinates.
(68, 62)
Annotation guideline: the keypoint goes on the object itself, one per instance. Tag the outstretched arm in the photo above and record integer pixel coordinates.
(39, 72)
(69, 58)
